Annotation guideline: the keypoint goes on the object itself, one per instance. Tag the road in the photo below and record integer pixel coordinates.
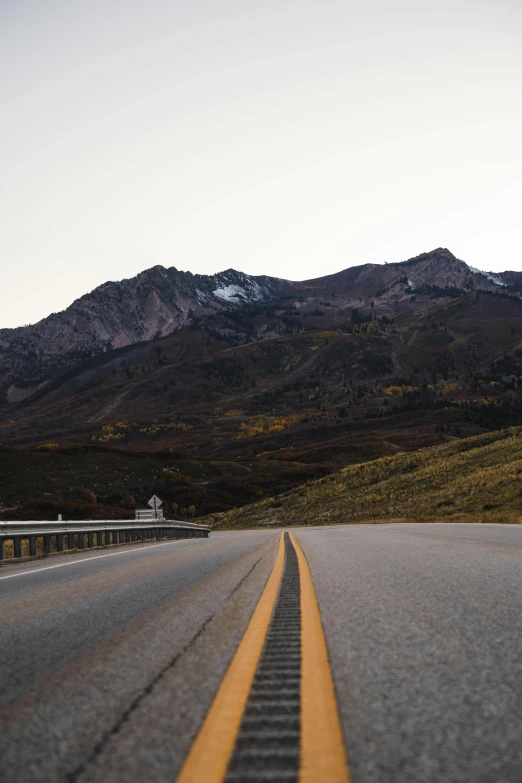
(111, 661)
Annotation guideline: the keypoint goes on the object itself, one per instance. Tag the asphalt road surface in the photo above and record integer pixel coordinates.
(112, 659)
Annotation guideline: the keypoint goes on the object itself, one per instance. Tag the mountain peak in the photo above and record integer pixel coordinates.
(156, 302)
(438, 254)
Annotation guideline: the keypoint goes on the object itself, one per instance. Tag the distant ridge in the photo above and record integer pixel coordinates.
(161, 300)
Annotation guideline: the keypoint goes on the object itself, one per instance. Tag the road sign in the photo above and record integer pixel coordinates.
(155, 503)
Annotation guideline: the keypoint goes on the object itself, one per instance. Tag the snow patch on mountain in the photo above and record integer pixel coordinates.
(230, 293)
(257, 292)
(490, 276)
(249, 291)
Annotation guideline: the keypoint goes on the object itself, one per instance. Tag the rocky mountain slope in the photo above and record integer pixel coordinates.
(387, 283)
(154, 303)
(160, 301)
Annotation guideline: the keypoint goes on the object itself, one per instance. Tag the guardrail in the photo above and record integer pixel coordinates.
(37, 539)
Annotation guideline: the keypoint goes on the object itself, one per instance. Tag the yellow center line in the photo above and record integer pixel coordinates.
(212, 749)
(322, 754)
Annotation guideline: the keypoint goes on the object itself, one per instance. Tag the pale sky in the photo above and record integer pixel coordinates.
(281, 137)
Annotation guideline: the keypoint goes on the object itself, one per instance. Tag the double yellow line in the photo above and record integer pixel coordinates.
(322, 753)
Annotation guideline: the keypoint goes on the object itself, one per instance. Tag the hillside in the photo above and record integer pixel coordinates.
(204, 388)
(471, 480)
(99, 482)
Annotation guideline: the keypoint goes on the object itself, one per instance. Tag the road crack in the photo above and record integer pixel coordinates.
(236, 588)
(73, 776)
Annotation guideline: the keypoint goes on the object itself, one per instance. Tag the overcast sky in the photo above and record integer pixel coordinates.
(284, 137)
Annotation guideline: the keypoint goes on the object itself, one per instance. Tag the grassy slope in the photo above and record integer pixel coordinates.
(476, 479)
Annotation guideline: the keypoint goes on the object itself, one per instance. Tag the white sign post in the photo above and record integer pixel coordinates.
(155, 503)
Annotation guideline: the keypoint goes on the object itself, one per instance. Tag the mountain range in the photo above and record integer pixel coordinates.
(215, 391)
(160, 301)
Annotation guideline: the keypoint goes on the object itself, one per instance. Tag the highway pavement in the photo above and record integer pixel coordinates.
(113, 661)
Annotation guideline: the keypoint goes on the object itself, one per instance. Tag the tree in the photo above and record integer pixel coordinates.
(129, 501)
(192, 511)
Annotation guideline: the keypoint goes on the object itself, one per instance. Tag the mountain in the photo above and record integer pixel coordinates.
(388, 283)
(160, 301)
(154, 303)
(262, 392)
